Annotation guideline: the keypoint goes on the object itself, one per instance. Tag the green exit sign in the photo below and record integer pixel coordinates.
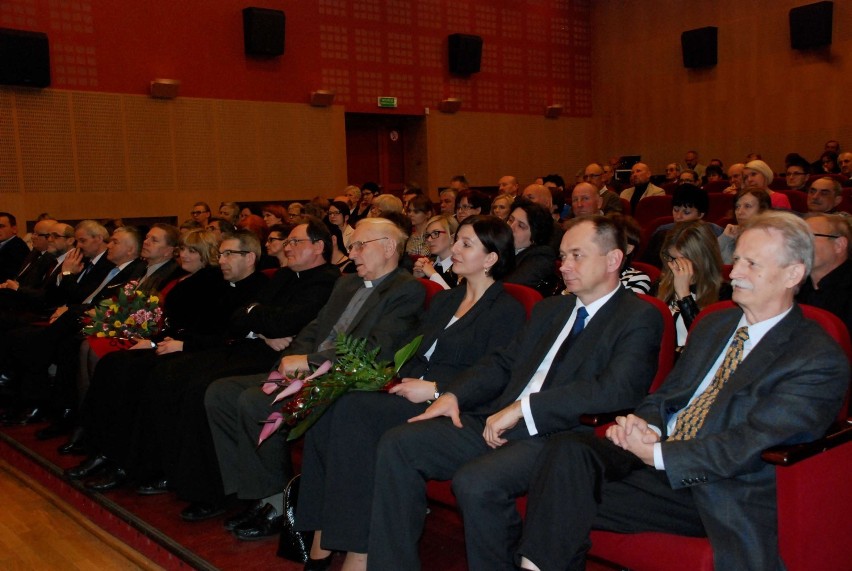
(387, 102)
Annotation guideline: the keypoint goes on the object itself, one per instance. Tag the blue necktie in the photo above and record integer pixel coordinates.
(576, 329)
(112, 273)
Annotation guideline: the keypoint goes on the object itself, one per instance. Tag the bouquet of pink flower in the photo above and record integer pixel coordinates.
(355, 369)
(130, 313)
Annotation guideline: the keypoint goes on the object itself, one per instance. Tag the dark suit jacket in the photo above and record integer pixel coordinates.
(609, 366)
(788, 390)
(12, 256)
(535, 267)
(169, 271)
(386, 319)
(70, 291)
(489, 325)
(35, 269)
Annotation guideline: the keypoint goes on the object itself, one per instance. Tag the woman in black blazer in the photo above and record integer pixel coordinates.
(535, 262)
(461, 325)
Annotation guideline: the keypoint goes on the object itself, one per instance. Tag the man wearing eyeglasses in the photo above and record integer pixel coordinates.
(200, 213)
(829, 285)
(797, 175)
(381, 304)
(825, 195)
(594, 175)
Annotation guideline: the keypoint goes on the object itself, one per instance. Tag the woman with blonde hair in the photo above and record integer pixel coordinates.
(501, 206)
(440, 235)
(692, 273)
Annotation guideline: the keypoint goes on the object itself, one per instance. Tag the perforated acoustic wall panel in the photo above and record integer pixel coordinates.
(9, 170)
(43, 129)
(100, 142)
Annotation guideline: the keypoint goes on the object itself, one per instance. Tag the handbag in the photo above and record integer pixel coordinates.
(292, 544)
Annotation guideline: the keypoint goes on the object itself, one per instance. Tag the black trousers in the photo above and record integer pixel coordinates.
(486, 483)
(583, 482)
(338, 466)
(173, 439)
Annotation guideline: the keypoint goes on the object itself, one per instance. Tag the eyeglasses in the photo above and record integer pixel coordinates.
(355, 246)
(333, 212)
(821, 191)
(295, 241)
(685, 210)
(591, 176)
(199, 212)
(466, 207)
(668, 258)
(274, 239)
(829, 236)
(40, 235)
(228, 253)
(433, 235)
(56, 236)
(794, 174)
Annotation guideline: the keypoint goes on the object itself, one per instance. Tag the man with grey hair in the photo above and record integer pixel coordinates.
(825, 195)
(381, 304)
(585, 200)
(673, 172)
(691, 162)
(735, 175)
(829, 285)
(686, 461)
(845, 162)
(594, 175)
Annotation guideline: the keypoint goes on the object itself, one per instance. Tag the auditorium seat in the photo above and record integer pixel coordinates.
(653, 272)
(526, 295)
(652, 207)
(720, 205)
(716, 186)
(798, 200)
(431, 289)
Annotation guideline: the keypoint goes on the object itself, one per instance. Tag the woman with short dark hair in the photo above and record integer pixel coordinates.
(535, 263)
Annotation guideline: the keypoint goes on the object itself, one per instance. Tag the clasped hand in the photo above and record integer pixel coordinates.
(634, 435)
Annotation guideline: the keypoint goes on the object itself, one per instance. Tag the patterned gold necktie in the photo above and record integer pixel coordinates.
(692, 417)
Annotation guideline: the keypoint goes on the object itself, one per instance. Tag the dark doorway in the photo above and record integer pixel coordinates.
(386, 149)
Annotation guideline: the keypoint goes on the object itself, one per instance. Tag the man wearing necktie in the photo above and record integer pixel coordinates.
(688, 460)
(591, 351)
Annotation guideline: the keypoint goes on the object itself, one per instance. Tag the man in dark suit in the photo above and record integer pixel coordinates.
(381, 304)
(34, 350)
(688, 460)
(13, 250)
(512, 401)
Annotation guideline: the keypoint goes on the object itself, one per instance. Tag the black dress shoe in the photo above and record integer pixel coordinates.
(267, 523)
(153, 488)
(200, 511)
(88, 467)
(75, 445)
(26, 417)
(245, 515)
(59, 427)
(319, 564)
(110, 480)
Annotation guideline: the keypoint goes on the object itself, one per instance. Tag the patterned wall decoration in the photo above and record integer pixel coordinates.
(535, 52)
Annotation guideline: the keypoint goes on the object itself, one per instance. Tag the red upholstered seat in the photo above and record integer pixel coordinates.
(625, 206)
(814, 500)
(798, 199)
(526, 295)
(652, 207)
(716, 186)
(652, 272)
(720, 205)
(431, 289)
(269, 272)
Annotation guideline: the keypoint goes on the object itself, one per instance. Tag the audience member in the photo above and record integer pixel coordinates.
(748, 203)
(640, 178)
(828, 163)
(369, 190)
(691, 162)
(631, 278)
(385, 204)
(440, 235)
(688, 203)
(829, 284)
(532, 229)
(229, 211)
(459, 183)
(689, 176)
(714, 173)
(471, 203)
(825, 195)
(508, 185)
(673, 171)
(273, 214)
(501, 206)
(586, 201)
(594, 175)
(447, 200)
(460, 326)
(380, 304)
(797, 173)
(220, 227)
(295, 213)
(691, 276)
(672, 467)
(419, 212)
(276, 243)
(485, 431)
(353, 196)
(13, 249)
(845, 160)
(339, 216)
(200, 213)
(757, 174)
(735, 175)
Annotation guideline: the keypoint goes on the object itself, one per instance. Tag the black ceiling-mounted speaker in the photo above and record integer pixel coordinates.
(465, 53)
(263, 31)
(699, 47)
(810, 26)
(24, 58)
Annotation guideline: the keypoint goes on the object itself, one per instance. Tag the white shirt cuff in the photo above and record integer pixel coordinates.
(658, 456)
(528, 417)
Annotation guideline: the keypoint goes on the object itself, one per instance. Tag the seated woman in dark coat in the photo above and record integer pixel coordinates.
(461, 325)
(535, 260)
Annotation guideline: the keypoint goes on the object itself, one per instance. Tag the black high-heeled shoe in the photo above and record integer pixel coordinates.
(319, 564)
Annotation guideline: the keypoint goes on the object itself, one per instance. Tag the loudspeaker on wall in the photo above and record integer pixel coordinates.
(263, 31)
(465, 53)
(24, 58)
(699, 47)
(810, 26)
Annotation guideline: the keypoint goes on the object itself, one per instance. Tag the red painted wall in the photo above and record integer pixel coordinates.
(536, 52)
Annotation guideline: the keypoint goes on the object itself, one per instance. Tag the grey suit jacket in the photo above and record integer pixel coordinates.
(609, 367)
(388, 316)
(788, 390)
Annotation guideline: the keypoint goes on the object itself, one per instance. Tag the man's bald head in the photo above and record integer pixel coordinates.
(586, 200)
(640, 174)
(594, 175)
(539, 194)
(508, 185)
